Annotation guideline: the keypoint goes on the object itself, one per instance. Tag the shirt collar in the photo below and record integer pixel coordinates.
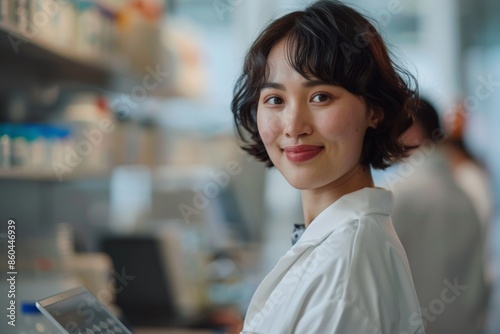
(348, 207)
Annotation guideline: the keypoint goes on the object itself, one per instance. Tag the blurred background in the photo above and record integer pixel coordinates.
(119, 162)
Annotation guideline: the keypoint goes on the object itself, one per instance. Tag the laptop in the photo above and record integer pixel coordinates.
(77, 311)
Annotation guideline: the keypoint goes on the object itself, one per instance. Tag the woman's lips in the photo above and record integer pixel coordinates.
(302, 153)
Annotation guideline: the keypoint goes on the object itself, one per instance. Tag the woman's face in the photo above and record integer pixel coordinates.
(313, 132)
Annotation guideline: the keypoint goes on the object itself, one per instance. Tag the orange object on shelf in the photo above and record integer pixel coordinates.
(152, 10)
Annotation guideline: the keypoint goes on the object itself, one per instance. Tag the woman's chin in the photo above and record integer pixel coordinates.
(303, 183)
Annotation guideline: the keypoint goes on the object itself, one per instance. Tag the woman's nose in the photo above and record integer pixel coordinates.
(296, 121)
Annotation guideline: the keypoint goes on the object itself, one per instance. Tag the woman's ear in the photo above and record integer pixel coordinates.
(376, 117)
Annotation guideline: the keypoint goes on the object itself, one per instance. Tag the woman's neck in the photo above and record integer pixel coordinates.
(316, 200)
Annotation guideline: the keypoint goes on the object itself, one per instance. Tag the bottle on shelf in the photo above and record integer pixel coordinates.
(19, 147)
(5, 146)
(32, 148)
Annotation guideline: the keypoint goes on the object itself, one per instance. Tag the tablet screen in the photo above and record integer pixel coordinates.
(77, 311)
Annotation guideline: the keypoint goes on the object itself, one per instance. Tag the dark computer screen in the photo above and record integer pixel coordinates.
(146, 299)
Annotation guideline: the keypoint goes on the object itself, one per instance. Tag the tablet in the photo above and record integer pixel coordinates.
(77, 311)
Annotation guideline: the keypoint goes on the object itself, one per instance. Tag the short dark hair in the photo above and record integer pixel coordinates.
(427, 117)
(338, 45)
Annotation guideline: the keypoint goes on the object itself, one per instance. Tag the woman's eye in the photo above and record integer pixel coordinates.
(274, 100)
(320, 98)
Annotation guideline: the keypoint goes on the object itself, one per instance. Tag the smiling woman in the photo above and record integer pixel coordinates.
(312, 130)
(323, 102)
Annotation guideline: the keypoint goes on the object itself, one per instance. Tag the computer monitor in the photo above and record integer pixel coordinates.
(148, 299)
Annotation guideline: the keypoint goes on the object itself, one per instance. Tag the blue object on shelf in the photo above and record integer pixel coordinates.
(29, 308)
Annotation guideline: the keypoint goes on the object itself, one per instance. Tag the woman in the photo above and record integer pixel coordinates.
(320, 99)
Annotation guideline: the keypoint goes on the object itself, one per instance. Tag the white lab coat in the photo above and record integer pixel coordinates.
(348, 273)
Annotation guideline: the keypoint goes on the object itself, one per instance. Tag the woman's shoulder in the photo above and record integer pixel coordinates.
(368, 242)
(358, 259)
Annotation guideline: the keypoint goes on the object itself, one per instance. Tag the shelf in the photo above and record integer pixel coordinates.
(25, 62)
(48, 175)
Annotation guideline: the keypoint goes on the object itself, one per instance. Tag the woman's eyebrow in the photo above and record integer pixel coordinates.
(306, 84)
(314, 83)
(274, 85)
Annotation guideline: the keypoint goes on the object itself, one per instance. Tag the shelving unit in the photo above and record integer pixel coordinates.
(76, 57)
(50, 176)
(25, 62)
(44, 73)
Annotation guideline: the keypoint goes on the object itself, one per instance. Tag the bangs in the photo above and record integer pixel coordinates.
(325, 52)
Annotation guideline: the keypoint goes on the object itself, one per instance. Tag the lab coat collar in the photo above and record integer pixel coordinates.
(347, 208)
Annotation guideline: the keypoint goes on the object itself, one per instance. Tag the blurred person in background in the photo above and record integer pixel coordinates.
(471, 176)
(321, 100)
(469, 173)
(441, 233)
